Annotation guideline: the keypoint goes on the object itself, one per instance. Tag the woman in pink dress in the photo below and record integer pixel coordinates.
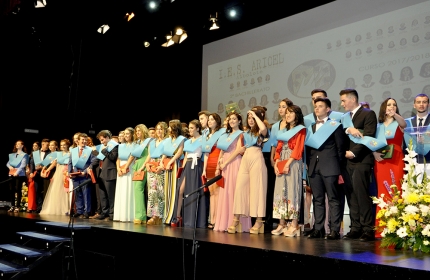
(230, 144)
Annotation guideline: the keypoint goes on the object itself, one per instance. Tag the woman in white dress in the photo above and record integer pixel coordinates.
(57, 198)
(124, 196)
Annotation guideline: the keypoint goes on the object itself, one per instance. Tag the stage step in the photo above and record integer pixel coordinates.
(9, 268)
(26, 252)
(63, 225)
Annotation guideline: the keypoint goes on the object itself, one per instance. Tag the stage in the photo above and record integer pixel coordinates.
(114, 249)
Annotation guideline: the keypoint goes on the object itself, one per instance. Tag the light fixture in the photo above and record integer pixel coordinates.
(129, 16)
(40, 4)
(146, 44)
(214, 20)
(169, 40)
(180, 36)
(103, 29)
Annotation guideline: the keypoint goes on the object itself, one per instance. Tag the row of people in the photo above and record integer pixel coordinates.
(174, 166)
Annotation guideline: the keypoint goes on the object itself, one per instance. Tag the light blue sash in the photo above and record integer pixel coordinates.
(110, 145)
(333, 115)
(250, 140)
(48, 159)
(79, 162)
(370, 142)
(190, 146)
(100, 156)
(388, 132)
(124, 151)
(63, 158)
(36, 157)
(226, 139)
(412, 133)
(15, 160)
(139, 147)
(156, 151)
(208, 143)
(285, 135)
(171, 147)
(315, 140)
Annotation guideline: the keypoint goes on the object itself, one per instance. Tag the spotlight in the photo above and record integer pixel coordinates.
(103, 29)
(169, 40)
(214, 20)
(129, 16)
(146, 44)
(40, 4)
(180, 36)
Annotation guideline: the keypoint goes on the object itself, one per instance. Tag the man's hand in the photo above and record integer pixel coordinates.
(355, 132)
(349, 155)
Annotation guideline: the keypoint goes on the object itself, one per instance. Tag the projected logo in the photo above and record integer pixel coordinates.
(310, 75)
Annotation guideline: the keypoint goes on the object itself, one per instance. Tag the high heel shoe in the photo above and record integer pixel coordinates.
(292, 232)
(257, 230)
(236, 227)
(177, 222)
(279, 230)
(155, 220)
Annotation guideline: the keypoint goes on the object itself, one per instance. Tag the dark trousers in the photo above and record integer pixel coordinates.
(38, 184)
(107, 191)
(82, 197)
(271, 177)
(15, 187)
(322, 185)
(358, 197)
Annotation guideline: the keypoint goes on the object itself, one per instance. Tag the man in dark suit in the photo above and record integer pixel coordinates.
(106, 159)
(358, 122)
(41, 184)
(421, 121)
(80, 159)
(324, 151)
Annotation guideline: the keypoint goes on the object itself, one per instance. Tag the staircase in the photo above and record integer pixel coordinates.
(53, 243)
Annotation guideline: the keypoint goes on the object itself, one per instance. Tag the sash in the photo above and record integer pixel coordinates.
(388, 132)
(273, 141)
(124, 151)
(100, 156)
(225, 140)
(190, 146)
(110, 145)
(156, 151)
(315, 140)
(15, 160)
(209, 143)
(170, 147)
(48, 159)
(36, 157)
(370, 142)
(309, 119)
(139, 147)
(286, 135)
(412, 133)
(79, 162)
(249, 139)
(333, 115)
(63, 158)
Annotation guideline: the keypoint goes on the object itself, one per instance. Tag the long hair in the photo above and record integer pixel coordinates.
(24, 149)
(217, 118)
(131, 130)
(198, 125)
(164, 127)
(175, 128)
(383, 109)
(143, 129)
(239, 117)
(261, 114)
(299, 116)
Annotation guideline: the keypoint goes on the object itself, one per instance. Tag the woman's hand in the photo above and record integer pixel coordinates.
(275, 167)
(221, 166)
(217, 172)
(378, 156)
(286, 169)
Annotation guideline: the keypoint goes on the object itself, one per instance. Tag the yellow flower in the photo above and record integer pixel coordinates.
(426, 198)
(412, 198)
(400, 201)
(392, 224)
(420, 220)
(416, 216)
(380, 213)
(382, 223)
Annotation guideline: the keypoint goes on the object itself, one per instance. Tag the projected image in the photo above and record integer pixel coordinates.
(425, 70)
(406, 74)
(367, 81)
(350, 83)
(407, 96)
(386, 78)
(311, 74)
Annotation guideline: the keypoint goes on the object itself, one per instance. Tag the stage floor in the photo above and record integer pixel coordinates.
(346, 250)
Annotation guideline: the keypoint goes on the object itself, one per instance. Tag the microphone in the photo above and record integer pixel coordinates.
(80, 185)
(208, 183)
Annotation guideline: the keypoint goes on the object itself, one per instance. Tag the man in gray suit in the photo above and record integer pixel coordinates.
(106, 159)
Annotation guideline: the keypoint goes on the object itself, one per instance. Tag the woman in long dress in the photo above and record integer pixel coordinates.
(251, 184)
(56, 200)
(190, 181)
(288, 185)
(124, 195)
(32, 205)
(229, 160)
(209, 147)
(139, 155)
(173, 147)
(389, 171)
(155, 173)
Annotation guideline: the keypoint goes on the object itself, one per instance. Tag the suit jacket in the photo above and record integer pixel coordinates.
(91, 159)
(414, 121)
(330, 154)
(108, 170)
(364, 119)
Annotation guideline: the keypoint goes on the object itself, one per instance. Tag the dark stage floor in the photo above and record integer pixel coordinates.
(342, 255)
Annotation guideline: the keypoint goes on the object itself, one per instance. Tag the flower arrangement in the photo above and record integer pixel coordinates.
(404, 218)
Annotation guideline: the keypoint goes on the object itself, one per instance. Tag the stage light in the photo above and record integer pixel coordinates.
(103, 29)
(180, 36)
(129, 16)
(152, 4)
(40, 4)
(214, 20)
(146, 44)
(169, 40)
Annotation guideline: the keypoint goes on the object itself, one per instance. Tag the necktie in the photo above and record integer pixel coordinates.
(421, 122)
(320, 122)
(80, 151)
(351, 114)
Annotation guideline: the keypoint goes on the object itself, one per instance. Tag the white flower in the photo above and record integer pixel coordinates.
(412, 223)
(425, 242)
(424, 209)
(401, 232)
(394, 210)
(411, 153)
(411, 209)
(426, 231)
